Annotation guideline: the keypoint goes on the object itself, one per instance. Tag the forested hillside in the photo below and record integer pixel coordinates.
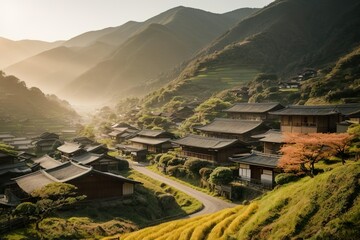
(19, 103)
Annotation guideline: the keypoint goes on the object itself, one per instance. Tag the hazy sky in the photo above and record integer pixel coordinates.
(52, 20)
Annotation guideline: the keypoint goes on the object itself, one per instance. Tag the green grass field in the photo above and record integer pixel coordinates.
(324, 207)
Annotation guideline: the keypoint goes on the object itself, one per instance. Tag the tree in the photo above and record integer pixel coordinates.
(49, 198)
(302, 151)
(194, 165)
(354, 131)
(338, 143)
(221, 176)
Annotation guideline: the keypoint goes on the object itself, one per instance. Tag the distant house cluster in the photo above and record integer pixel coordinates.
(295, 81)
(81, 162)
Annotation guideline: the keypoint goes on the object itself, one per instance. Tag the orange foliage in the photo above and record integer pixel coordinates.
(302, 151)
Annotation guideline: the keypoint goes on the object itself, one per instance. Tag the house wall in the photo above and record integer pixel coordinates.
(206, 154)
(309, 124)
(248, 116)
(95, 185)
(272, 148)
(128, 189)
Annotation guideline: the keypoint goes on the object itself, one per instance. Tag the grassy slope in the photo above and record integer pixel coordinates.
(98, 219)
(324, 207)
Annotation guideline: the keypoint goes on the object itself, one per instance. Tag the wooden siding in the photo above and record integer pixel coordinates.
(128, 189)
(272, 148)
(95, 185)
(309, 124)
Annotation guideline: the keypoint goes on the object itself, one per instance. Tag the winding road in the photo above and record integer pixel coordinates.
(211, 204)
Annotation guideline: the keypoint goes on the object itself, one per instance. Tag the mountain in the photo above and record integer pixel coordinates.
(15, 51)
(87, 38)
(17, 102)
(283, 38)
(54, 68)
(324, 207)
(160, 44)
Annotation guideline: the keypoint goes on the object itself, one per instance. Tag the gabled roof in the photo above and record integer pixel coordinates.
(272, 136)
(232, 126)
(47, 162)
(319, 110)
(63, 173)
(205, 142)
(94, 147)
(149, 141)
(87, 158)
(47, 135)
(258, 159)
(68, 147)
(151, 133)
(253, 107)
(20, 167)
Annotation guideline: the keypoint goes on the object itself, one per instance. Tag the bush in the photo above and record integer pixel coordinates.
(175, 162)
(221, 176)
(176, 171)
(284, 178)
(194, 165)
(165, 158)
(205, 172)
(157, 157)
(167, 201)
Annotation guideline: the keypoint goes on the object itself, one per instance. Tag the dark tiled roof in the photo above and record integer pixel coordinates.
(20, 167)
(150, 133)
(253, 107)
(344, 109)
(87, 158)
(67, 171)
(234, 126)
(149, 141)
(205, 142)
(273, 136)
(258, 159)
(47, 162)
(94, 147)
(63, 173)
(69, 147)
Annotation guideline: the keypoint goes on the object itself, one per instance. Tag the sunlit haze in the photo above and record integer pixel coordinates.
(63, 19)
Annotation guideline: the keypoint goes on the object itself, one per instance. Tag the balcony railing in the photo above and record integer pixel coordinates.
(256, 183)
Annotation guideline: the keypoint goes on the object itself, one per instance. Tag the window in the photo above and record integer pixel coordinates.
(244, 171)
(266, 176)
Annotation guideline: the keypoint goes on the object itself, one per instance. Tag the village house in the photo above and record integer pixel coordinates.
(100, 162)
(46, 142)
(272, 141)
(90, 182)
(154, 141)
(46, 162)
(68, 150)
(314, 119)
(83, 141)
(209, 148)
(233, 129)
(11, 166)
(120, 134)
(253, 111)
(137, 154)
(258, 169)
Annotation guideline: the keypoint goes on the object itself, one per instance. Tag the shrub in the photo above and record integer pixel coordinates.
(284, 178)
(205, 172)
(194, 165)
(166, 201)
(221, 176)
(175, 161)
(157, 157)
(165, 158)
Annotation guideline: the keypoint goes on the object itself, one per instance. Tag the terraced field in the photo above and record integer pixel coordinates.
(324, 207)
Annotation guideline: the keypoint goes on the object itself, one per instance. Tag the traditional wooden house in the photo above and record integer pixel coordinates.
(83, 141)
(272, 140)
(154, 141)
(233, 129)
(100, 162)
(98, 149)
(253, 111)
(308, 119)
(68, 150)
(121, 134)
(138, 155)
(46, 142)
(92, 183)
(47, 162)
(258, 168)
(209, 148)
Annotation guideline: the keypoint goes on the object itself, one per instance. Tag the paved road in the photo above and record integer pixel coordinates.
(211, 204)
